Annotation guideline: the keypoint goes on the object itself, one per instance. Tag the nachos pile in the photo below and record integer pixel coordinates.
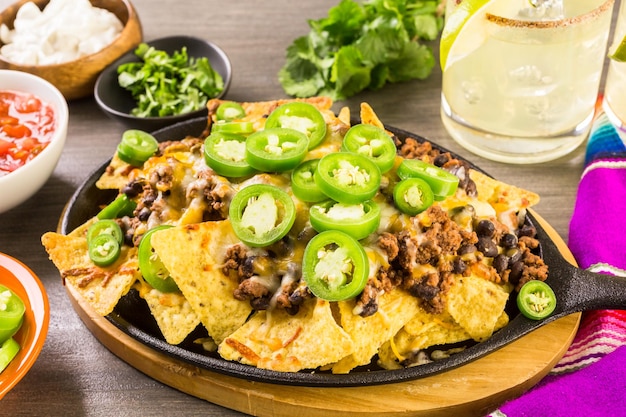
(275, 241)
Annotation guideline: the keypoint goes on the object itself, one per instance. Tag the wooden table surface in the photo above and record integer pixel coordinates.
(77, 376)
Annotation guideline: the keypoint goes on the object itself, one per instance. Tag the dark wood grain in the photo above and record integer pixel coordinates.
(75, 375)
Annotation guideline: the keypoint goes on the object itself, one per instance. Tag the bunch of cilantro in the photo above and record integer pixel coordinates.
(168, 85)
(362, 46)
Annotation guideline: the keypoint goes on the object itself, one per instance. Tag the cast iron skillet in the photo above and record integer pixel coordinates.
(576, 290)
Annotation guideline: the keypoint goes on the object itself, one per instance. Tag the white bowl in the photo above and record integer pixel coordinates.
(19, 185)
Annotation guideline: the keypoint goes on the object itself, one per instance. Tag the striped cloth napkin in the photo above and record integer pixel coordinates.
(590, 380)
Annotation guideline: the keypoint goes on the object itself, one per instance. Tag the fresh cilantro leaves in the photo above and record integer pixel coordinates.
(165, 85)
(362, 46)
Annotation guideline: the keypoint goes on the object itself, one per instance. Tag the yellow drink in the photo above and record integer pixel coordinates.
(615, 88)
(527, 93)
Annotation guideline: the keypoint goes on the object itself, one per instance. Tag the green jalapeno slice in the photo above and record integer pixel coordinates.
(536, 300)
(225, 153)
(348, 177)
(442, 183)
(105, 226)
(303, 182)
(373, 142)
(357, 220)
(12, 311)
(261, 214)
(8, 351)
(335, 266)
(237, 127)
(412, 196)
(151, 266)
(303, 117)
(120, 207)
(276, 149)
(104, 249)
(136, 147)
(229, 111)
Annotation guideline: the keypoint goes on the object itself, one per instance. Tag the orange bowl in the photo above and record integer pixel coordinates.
(32, 335)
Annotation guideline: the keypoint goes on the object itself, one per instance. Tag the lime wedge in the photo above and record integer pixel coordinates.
(619, 54)
(456, 21)
(467, 27)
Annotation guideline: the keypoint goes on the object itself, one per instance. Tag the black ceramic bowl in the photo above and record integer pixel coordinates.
(117, 102)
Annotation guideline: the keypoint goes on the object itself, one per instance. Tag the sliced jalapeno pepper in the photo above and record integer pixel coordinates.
(229, 111)
(303, 117)
(357, 220)
(261, 214)
(106, 226)
(335, 266)
(441, 182)
(276, 149)
(8, 351)
(536, 300)
(136, 147)
(120, 207)
(303, 182)
(347, 177)
(104, 249)
(373, 142)
(225, 153)
(12, 310)
(412, 196)
(151, 266)
(237, 127)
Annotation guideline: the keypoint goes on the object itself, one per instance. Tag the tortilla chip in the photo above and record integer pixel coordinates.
(369, 333)
(173, 314)
(476, 304)
(281, 342)
(344, 115)
(115, 176)
(422, 331)
(501, 195)
(101, 287)
(369, 117)
(193, 255)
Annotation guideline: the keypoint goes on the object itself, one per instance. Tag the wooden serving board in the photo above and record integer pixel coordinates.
(470, 390)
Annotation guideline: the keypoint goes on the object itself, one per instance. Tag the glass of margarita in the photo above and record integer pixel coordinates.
(521, 77)
(615, 88)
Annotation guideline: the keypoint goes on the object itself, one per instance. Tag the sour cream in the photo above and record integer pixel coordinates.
(63, 31)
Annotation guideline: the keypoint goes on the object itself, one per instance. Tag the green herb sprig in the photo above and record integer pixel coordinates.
(362, 46)
(168, 85)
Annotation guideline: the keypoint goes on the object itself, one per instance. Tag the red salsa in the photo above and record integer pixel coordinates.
(26, 127)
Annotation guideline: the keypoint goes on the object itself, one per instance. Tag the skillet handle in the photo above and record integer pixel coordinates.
(585, 290)
(578, 289)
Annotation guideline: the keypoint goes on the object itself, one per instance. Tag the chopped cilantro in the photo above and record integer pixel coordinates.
(167, 85)
(362, 46)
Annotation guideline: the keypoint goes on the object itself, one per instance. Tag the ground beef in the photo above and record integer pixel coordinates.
(413, 149)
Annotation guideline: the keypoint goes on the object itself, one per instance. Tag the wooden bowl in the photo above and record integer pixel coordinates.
(76, 79)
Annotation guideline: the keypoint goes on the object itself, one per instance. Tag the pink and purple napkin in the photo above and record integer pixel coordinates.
(590, 379)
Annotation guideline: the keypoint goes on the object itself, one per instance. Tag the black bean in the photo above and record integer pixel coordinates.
(470, 188)
(514, 254)
(527, 230)
(427, 292)
(516, 272)
(441, 159)
(143, 214)
(133, 188)
(261, 303)
(458, 266)
(485, 228)
(465, 249)
(508, 240)
(487, 247)
(501, 263)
